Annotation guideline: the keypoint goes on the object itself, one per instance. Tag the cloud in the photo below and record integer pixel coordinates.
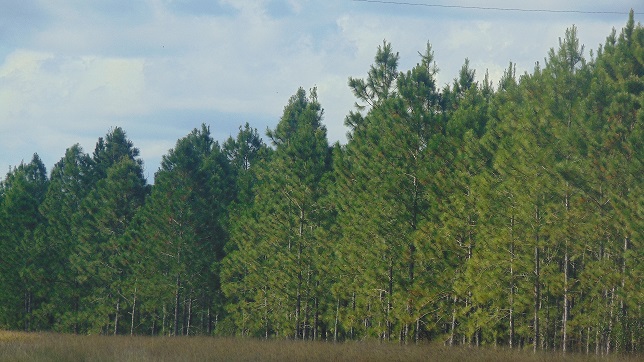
(70, 70)
(39, 86)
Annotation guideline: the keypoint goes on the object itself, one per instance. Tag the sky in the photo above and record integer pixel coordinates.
(71, 70)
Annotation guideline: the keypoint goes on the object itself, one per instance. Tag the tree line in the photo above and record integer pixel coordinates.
(470, 214)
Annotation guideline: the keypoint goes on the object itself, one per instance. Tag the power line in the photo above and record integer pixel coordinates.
(494, 8)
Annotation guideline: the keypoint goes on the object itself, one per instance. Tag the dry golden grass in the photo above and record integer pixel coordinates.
(15, 346)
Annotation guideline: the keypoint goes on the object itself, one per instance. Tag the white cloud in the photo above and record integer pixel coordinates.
(164, 66)
(38, 86)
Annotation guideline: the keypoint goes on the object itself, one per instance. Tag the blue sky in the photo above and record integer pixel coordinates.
(72, 69)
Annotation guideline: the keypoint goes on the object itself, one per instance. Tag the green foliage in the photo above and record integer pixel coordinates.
(24, 256)
(466, 215)
(272, 274)
(179, 237)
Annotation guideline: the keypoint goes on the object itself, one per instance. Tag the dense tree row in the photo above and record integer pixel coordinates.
(470, 214)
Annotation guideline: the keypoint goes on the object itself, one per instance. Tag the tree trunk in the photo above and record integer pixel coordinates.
(389, 297)
(298, 302)
(610, 321)
(316, 319)
(265, 313)
(537, 291)
(512, 281)
(623, 313)
(175, 324)
(335, 325)
(564, 341)
(189, 317)
(453, 325)
(133, 311)
(566, 305)
(163, 320)
(116, 316)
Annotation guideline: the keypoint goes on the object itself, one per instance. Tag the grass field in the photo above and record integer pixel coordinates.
(16, 346)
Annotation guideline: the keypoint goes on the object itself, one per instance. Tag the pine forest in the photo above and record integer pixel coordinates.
(472, 213)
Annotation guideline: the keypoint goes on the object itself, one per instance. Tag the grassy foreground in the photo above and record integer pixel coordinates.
(16, 346)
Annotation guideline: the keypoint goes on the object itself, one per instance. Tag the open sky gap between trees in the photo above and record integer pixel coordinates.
(476, 214)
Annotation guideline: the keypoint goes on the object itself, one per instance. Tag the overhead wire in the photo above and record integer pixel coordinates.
(494, 8)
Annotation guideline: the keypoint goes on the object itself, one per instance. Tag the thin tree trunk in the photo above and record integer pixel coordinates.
(512, 281)
(537, 291)
(175, 325)
(597, 346)
(189, 318)
(165, 312)
(298, 302)
(353, 308)
(315, 319)
(566, 305)
(610, 321)
(216, 322)
(453, 325)
(389, 297)
(133, 311)
(265, 314)
(335, 325)
(623, 315)
(116, 316)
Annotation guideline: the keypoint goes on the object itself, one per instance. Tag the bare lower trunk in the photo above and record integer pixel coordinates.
(298, 302)
(265, 315)
(189, 318)
(163, 320)
(564, 341)
(537, 296)
(133, 311)
(389, 297)
(623, 313)
(116, 316)
(537, 281)
(566, 306)
(453, 326)
(597, 346)
(335, 325)
(610, 321)
(175, 323)
(511, 282)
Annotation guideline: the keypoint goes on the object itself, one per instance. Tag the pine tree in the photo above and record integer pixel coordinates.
(385, 198)
(247, 153)
(274, 258)
(69, 184)
(459, 219)
(100, 259)
(614, 152)
(181, 233)
(22, 275)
